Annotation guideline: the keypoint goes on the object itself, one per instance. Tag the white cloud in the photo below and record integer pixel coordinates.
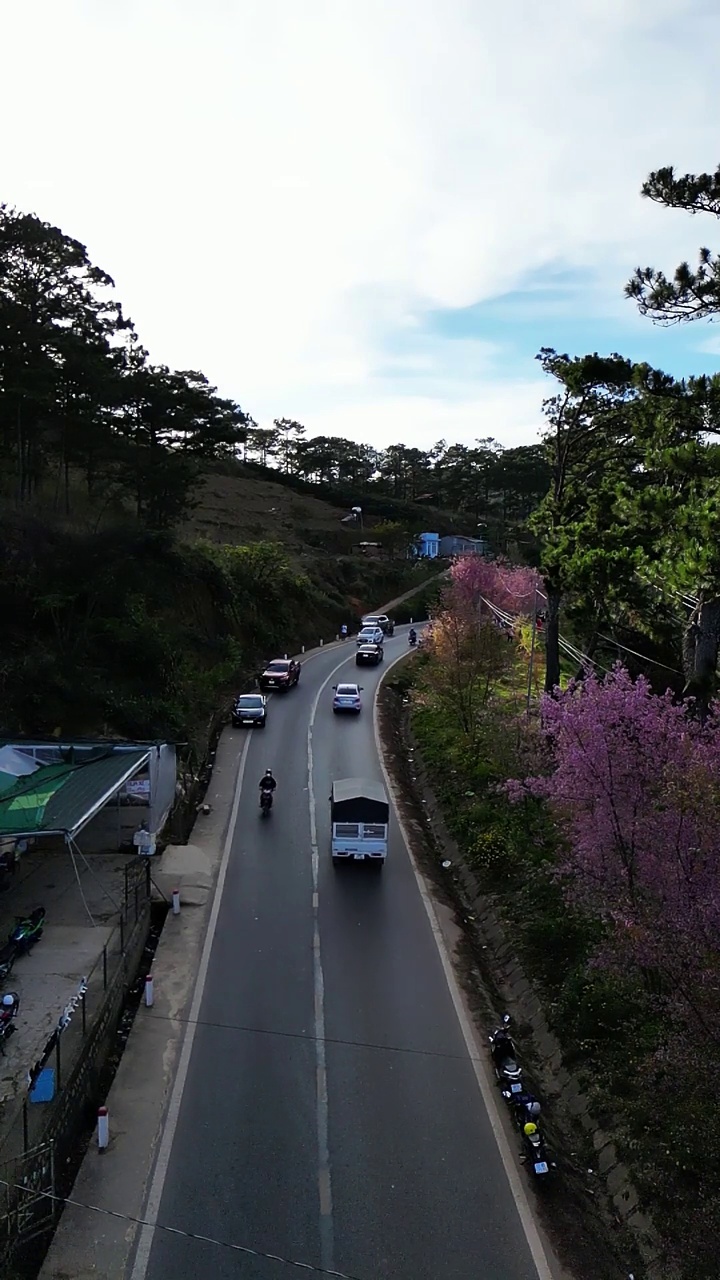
(711, 346)
(282, 187)
(509, 412)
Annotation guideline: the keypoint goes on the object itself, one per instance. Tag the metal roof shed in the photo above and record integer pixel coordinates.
(62, 798)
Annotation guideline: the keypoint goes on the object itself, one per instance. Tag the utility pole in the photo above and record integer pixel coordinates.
(532, 655)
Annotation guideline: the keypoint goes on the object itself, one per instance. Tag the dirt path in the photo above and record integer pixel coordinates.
(407, 595)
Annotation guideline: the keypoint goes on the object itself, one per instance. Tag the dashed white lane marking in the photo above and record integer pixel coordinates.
(327, 1235)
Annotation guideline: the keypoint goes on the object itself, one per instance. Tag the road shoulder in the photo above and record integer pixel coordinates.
(91, 1244)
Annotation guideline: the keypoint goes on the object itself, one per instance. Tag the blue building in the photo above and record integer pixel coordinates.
(429, 546)
(459, 545)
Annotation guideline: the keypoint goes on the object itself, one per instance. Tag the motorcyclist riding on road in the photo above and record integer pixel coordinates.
(412, 635)
(267, 782)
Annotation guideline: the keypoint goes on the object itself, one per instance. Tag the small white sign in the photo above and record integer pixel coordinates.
(144, 842)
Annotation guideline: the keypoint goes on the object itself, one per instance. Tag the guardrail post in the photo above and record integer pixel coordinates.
(103, 1129)
(176, 902)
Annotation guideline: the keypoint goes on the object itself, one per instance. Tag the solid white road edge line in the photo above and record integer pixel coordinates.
(142, 1255)
(470, 1037)
(327, 1239)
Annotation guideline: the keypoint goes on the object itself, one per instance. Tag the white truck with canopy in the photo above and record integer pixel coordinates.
(359, 813)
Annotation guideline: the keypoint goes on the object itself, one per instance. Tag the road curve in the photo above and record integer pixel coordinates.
(330, 1113)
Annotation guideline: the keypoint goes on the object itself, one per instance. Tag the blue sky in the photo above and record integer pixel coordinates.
(371, 216)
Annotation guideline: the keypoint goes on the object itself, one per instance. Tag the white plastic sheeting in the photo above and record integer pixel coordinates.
(17, 763)
(163, 780)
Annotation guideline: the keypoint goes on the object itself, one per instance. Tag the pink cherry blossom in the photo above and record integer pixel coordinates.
(635, 789)
(510, 587)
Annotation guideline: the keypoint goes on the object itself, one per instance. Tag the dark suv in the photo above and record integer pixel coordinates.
(280, 674)
(249, 709)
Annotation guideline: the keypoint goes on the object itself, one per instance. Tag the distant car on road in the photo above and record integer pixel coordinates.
(279, 674)
(369, 655)
(370, 635)
(387, 626)
(250, 710)
(347, 698)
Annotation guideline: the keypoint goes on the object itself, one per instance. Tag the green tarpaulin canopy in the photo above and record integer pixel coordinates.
(63, 797)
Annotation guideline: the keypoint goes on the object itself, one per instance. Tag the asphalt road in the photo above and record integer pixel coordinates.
(369, 1153)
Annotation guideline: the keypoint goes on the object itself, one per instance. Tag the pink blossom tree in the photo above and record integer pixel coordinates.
(510, 587)
(635, 789)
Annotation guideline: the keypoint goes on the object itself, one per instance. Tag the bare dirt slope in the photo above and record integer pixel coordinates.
(236, 509)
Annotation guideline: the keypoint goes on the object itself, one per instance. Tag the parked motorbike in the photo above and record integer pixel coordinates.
(9, 1006)
(28, 930)
(523, 1106)
(535, 1152)
(504, 1056)
(266, 801)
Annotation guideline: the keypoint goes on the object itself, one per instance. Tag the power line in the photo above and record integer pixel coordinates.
(577, 654)
(185, 1235)
(635, 654)
(307, 1036)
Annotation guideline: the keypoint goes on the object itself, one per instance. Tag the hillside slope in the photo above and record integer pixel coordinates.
(240, 504)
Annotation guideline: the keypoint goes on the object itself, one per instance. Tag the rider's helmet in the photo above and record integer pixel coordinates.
(533, 1108)
(8, 1002)
(268, 773)
(530, 1129)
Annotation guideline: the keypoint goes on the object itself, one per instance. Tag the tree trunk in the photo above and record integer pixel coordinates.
(584, 668)
(701, 643)
(552, 639)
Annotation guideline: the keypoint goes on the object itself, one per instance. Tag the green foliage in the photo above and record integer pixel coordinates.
(394, 537)
(78, 395)
(612, 1032)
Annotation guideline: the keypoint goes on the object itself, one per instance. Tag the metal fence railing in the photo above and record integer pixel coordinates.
(60, 1084)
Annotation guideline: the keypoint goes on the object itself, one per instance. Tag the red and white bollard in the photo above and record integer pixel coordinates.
(176, 902)
(103, 1129)
(149, 995)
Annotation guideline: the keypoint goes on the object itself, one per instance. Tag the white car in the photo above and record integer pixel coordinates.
(370, 635)
(346, 697)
